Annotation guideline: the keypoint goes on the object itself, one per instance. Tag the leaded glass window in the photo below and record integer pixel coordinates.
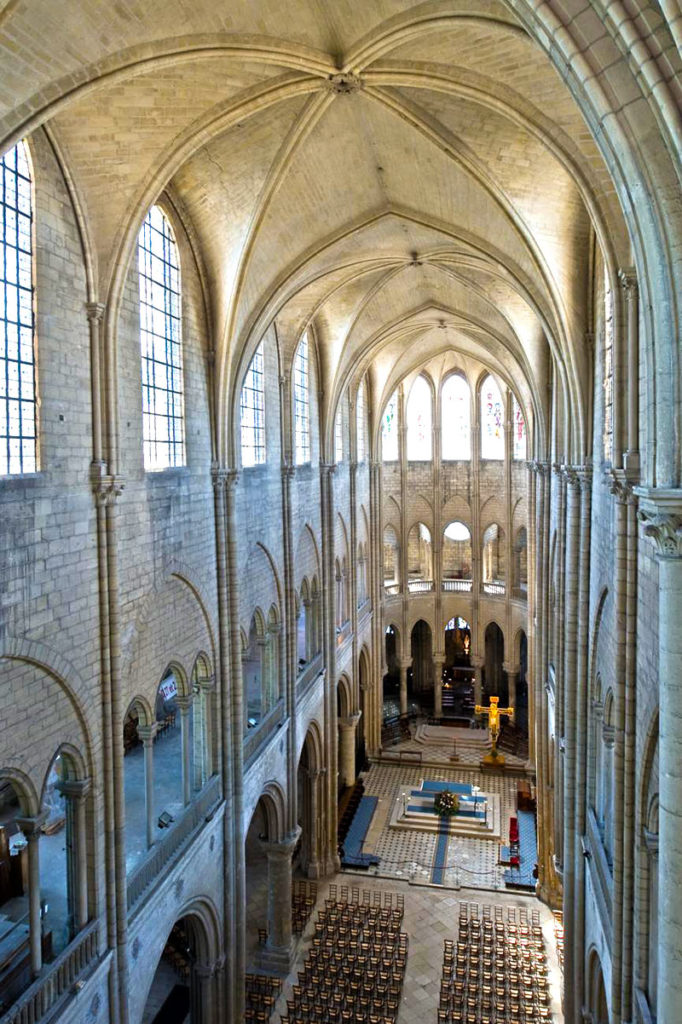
(338, 434)
(18, 440)
(455, 418)
(302, 403)
(608, 370)
(163, 424)
(252, 412)
(419, 421)
(519, 428)
(492, 421)
(389, 430)
(361, 412)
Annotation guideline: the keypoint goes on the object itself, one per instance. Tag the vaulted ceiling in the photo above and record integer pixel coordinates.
(408, 181)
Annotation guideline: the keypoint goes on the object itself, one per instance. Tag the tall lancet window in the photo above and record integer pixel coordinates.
(608, 370)
(389, 430)
(519, 432)
(419, 421)
(18, 449)
(492, 420)
(252, 412)
(338, 434)
(361, 413)
(163, 425)
(302, 403)
(456, 418)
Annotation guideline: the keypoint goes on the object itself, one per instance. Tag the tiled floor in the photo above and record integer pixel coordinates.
(430, 916)
(407, 854)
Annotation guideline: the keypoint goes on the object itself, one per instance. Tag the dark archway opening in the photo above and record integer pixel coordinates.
(494, 677)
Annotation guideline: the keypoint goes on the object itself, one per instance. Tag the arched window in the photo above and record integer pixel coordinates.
(419, 559)
(419, 421)
(456, 418)
(608, 369)
(391, 560)
(252, 671)
(521, 562)
(338, 434)
(361, 413)
(492, 420)
(456, 557)
(519, 427)
(302, 403)
(252, 412)
(163, 428)
(493, 560)
(389, 430)
(18, 450)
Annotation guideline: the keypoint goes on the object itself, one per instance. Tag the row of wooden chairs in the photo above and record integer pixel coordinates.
(303, 900)
(262, 992)
(351, 895)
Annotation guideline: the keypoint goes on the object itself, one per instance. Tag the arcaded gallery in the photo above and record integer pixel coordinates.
(340, 512)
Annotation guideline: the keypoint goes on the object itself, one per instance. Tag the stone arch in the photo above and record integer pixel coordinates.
(24, 790)
(597, 992)
(143, 708)
(273, 801)
(73, 759)
(345, 696)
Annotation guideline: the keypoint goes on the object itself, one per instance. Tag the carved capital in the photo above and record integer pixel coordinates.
(105, 488)
(665, 531)
(327, 468)
(344, 82)
(223, 477)
(74, 789)
(627, 279)
(288, 471)
(621, 487)
(95, 312)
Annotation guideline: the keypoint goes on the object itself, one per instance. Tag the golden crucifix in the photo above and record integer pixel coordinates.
(493, 713)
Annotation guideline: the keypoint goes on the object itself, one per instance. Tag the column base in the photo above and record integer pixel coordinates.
(313, 870)
(278, 959)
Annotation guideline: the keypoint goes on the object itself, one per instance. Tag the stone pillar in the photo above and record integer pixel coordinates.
(313, 866)
(147, 733)
(438, 662)
(184, 703)
(512, 676)
(74, 792)
(205, 990)
(31, 828)
(661, 513)
(347, 727)
(403, 664)
(478, 678)
(279, 951)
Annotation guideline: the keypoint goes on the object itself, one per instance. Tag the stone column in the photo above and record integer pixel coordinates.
(512, 676)
(31, 828)
(147, 733)
(278, 954)
(438, 662)
(404, 664)
(478, 663)
(313, 867)
(184, 703)
(205, 998)
(661, 513)
(74, 792)
(347, 727)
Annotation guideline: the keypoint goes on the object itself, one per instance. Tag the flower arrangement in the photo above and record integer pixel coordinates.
(446, 804)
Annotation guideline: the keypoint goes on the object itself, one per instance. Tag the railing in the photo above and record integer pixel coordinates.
(309, 674)
(493, 588)
(392, 589)
(420, 586)
(166, 848)
(57, 984)
(257, 736)
(457, 586)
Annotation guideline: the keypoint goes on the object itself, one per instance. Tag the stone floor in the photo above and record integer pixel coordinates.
(410, 854)
(431, 915)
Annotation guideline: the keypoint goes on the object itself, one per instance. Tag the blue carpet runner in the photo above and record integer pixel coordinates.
(439, 787)
(440, 858)
(352, 847)
(528, 853)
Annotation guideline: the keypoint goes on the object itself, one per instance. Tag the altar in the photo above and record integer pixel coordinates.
(477, 815)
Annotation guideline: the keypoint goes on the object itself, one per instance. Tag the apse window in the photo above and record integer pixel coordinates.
(302, 403)
(419, 421)
(455, 419)
(252, 412)
(519, 427)
(18, 442)
(163, 425)
(492, 421)
(389, 430)
(361, 423)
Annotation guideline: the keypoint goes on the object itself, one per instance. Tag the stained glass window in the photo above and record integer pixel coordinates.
(18, 451)
(389, 430)
(608, 370)
(492, 421)
(519, 428)
(455, 418)
(252, 412)
(419, 421)
(361, 412)
(338, 434)
(302, 403)
(163, 427)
